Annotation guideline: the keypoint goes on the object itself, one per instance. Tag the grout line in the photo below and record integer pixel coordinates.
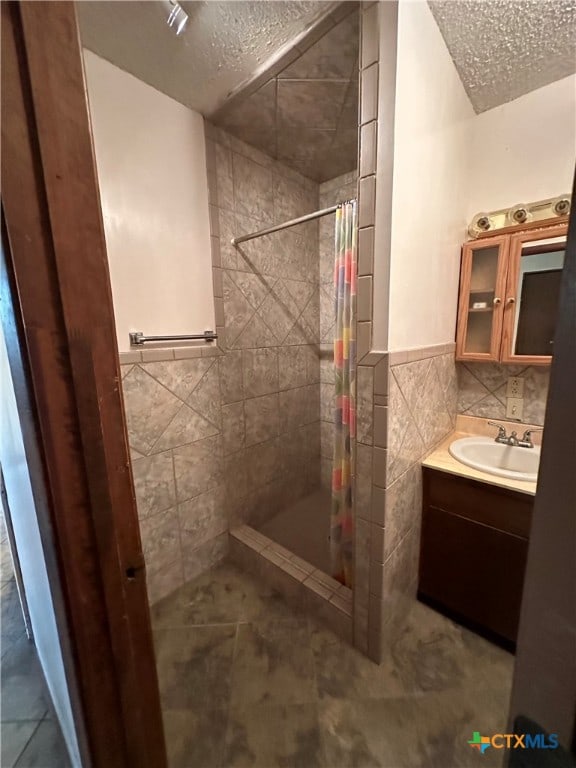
(34, 732)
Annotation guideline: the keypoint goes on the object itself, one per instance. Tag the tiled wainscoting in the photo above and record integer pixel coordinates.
(175, 434)
(302, 585)
(482, 390)
(406, 406)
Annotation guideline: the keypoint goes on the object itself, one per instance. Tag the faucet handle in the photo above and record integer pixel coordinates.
(529, 432)
(501, 428)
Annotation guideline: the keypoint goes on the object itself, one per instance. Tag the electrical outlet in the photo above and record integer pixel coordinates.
(515, 387)
(514, 408)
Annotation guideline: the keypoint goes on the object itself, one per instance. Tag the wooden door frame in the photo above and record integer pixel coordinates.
(59, 277)
(514, 256)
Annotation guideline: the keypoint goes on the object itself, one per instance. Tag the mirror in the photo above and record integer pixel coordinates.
(537, 292)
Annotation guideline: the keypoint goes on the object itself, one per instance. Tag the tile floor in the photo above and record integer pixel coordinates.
(29, 735)
(304, 528)
(247, 681)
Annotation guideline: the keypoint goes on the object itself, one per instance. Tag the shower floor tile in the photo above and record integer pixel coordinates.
(247, 681)
(303, 528)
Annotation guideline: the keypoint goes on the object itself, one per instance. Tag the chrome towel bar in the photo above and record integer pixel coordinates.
(137, 337)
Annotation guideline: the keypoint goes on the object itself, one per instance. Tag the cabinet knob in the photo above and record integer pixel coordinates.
(496, 300)
(510, 300)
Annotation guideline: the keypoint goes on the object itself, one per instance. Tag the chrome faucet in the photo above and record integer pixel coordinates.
(526, 441)
(512, 438)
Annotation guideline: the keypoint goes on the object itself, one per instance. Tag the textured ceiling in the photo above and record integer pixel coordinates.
(503, 49)
(307, 116)
(222, 46)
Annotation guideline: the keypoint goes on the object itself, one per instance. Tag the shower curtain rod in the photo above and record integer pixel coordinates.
(291, 223)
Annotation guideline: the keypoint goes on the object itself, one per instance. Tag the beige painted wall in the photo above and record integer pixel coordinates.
(432, 120)
(448, 164)
(524, 150)
(150, 154)
(31, 555)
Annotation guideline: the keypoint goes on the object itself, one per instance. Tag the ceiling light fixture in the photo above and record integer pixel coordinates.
(177, 18)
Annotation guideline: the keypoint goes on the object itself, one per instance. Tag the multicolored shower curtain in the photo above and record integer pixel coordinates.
(342, 524)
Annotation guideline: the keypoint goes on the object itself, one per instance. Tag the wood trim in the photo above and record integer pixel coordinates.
(514, 256)
(60, 272)
(468, 249)
(14, 337)
(516, 228)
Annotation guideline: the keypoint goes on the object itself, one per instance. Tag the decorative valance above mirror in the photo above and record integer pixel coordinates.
(509, 292)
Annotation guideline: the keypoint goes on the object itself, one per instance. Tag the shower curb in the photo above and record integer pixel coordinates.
(302, 585)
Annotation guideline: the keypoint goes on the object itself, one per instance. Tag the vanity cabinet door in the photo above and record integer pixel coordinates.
(481, 302)
(535, 263)
(473, 570)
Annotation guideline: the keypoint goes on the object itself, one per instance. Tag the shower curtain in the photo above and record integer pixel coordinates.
(341, 523)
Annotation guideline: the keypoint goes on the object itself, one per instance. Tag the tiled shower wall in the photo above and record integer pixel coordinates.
(482, 390)
(336, 190)
(227, 435)
(271, 369)
(175, 434)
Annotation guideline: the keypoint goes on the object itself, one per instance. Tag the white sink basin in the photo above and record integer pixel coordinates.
(503, 460)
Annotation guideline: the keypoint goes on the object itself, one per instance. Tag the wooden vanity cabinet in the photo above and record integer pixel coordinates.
(473, 552)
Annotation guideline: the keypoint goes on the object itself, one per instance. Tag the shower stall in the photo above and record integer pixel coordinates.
(277, 374)
(301, 521)
(234, 447)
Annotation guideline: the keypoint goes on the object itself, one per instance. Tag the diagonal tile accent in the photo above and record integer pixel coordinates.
(492, 375)
(405, 445)
(254, 287)
(411, 378)
(309, 320)
(150, 407)
(300, 291)
(179, 376)
(470, 389)
(237, 309)
(255, 334)
(482, 390)
(186, 427)
(205, 399)
(279, 311)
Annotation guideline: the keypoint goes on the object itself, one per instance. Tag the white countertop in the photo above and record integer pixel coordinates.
(441, 459)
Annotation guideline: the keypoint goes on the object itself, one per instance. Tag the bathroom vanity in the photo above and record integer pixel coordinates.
(474, 544)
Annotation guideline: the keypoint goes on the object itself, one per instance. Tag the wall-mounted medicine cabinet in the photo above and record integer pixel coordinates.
(509, 292)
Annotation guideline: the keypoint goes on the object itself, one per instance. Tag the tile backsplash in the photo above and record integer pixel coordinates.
(482, 390)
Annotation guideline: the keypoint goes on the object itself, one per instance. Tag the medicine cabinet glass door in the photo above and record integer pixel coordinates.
(482, 287)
